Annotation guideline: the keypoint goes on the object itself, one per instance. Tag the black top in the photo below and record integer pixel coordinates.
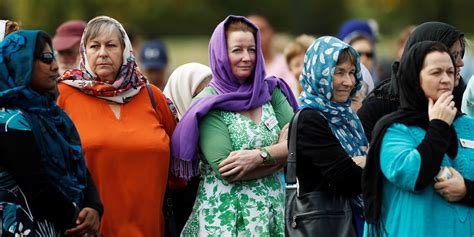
(372, 110)
(469, 198)
(21, 158)
(432, 149)
(322, 163)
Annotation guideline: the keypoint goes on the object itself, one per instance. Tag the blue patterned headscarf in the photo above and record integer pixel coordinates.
(55, 135)
(316, 79)
(320, 63)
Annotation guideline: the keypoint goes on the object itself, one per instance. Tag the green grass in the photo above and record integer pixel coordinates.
(183, 50)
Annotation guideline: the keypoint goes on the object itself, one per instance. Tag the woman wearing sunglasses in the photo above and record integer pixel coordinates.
(360, 35)
(45, 187)
(125, 126)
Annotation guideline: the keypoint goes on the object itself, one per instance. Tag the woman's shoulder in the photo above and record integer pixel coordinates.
(154, 89)
(404, 131)
(277, 90)
(312, 114)
(67, 90)
(13, 119)
(312, 118)
(205, 92)
(156, 92)
(464, 119)
(464, 122)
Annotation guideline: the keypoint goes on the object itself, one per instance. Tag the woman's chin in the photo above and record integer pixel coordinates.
(108, 78)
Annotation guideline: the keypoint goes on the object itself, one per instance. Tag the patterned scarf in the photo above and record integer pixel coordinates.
(55, 135)
(319, 64)
(128, 83)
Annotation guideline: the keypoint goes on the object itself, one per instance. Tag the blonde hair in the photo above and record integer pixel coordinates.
(11, 27)
(297, 47)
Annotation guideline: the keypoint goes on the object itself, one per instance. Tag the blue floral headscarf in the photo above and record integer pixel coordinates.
(316, 79)
(56, 136)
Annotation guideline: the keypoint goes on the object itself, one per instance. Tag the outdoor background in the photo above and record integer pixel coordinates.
(186, 25)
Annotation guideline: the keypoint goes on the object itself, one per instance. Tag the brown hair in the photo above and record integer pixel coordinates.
(347, 55)
(11, 26)
(297, 47)
(239, 25)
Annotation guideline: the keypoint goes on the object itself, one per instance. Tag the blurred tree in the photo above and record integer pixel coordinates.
(152, 18)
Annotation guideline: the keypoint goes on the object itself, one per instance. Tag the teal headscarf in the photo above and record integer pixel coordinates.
(55, 134)
(316, 79)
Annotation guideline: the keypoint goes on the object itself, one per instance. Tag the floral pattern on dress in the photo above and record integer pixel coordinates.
(245, 208)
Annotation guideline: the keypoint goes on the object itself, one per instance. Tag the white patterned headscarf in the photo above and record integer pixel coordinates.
(468, 98)
(3, 28)
(316, 79)
(182, 84)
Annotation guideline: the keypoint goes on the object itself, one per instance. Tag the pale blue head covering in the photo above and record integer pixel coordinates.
(316, 79)
(467, 105)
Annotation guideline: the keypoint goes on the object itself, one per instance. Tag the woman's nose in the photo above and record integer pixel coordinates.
(103, 51)
(348, 80)
(54, 65)
(459, 62)
(446, 78)
(246, 56)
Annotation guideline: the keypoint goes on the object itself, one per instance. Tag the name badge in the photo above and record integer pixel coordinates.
(467, 143)
(271, 123)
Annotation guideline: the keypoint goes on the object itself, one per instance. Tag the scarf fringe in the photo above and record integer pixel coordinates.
(184, 169)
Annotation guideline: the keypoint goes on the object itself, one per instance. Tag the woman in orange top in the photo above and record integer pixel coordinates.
(125, 140)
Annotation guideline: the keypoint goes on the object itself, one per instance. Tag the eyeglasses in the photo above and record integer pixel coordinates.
(367, 54)
(47, 58)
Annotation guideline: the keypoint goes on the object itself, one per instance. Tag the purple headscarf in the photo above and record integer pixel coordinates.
(232, 96)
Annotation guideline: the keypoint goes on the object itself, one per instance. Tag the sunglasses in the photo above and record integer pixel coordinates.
(367, 54)
(47, 58)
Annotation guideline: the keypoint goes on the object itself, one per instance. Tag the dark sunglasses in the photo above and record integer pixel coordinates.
(47, 58)
(367, 54)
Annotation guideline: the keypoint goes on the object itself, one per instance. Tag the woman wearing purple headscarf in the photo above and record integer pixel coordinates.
(236, 124)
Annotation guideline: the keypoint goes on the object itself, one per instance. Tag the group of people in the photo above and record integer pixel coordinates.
(93, 150)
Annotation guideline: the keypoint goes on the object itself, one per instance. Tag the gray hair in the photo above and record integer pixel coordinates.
(103, 25)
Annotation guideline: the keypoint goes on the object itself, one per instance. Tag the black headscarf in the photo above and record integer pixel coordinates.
(433, 31)
(413, 111)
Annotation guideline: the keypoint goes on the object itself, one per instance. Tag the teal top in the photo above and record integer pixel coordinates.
(406, 212)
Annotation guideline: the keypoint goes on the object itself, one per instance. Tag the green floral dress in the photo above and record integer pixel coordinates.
(246, 208)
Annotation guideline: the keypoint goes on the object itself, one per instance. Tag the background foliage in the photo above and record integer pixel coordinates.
(152, 18)
(186, 25)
